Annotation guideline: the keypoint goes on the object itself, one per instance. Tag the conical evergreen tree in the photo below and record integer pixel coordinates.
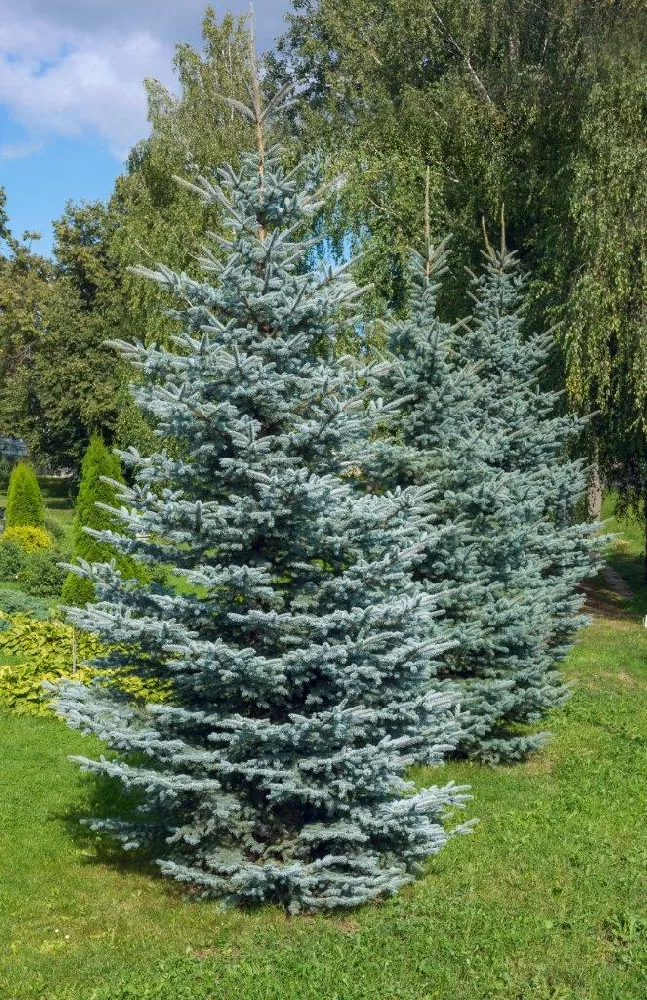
(25, 505)
(481, 432)
(429, 440)
(301, 660)
(536, 447)
(91, 516)
(437, 441)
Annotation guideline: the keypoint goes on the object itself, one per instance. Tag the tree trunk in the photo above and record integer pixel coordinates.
(594, 491)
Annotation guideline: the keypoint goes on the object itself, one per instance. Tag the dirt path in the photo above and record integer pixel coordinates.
(606, 594)
(616, 583)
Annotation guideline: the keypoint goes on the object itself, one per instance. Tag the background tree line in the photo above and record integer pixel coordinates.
(539, 105)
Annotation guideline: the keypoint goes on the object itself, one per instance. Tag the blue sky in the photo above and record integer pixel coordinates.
(71, 97)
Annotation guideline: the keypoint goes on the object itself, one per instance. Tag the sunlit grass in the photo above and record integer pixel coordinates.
(543, 902)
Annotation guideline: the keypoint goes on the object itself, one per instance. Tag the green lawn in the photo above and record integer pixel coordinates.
(545, 901)
(626, 554)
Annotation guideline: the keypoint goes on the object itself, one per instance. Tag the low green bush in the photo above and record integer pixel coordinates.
(77, 591)
(12, 560)
(41, 575)
(28, 559)
(15, 602)
(56, 530)
(49, 651)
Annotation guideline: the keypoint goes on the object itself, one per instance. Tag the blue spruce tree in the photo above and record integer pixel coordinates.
(481, 432)
(535, 440)
(300, 652)
(437, 439)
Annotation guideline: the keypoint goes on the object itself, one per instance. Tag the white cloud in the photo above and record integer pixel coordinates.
(18, 150)
(73, 67)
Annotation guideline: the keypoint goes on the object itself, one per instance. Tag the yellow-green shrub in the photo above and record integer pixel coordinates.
(48, 651)
(28, 537)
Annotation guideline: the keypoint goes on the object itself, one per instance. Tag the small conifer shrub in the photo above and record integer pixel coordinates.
(90, 516)
(24, 499)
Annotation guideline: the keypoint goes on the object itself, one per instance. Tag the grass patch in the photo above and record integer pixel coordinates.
(542, 902)
(627, 550)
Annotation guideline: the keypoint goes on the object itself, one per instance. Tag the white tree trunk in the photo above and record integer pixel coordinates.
(594, 491)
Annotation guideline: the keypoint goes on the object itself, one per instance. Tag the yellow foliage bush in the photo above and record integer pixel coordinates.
(49, 651)
(29, 538)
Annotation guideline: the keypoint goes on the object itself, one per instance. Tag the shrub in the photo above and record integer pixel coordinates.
(98, 462)
(48, 651)
(77, 591)
(12, 560)
(29, 538)
(56, 530)
(14, 602)
(24, 499)
(41, 575)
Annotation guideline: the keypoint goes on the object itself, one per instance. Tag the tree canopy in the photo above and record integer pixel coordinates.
(540, 106)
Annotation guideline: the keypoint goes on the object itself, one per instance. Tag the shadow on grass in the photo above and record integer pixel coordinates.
(103, 798)
(601, 601)
(630, 566)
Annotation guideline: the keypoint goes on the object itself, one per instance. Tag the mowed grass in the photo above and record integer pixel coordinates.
(545, 901)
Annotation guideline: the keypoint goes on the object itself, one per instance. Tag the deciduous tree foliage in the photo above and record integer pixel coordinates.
(154, 218)
(58, 381)
(598, 293)
(538, 105)
(25, 284)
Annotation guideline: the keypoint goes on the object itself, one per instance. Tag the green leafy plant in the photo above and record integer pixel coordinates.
(50, 650)
(21, 687)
